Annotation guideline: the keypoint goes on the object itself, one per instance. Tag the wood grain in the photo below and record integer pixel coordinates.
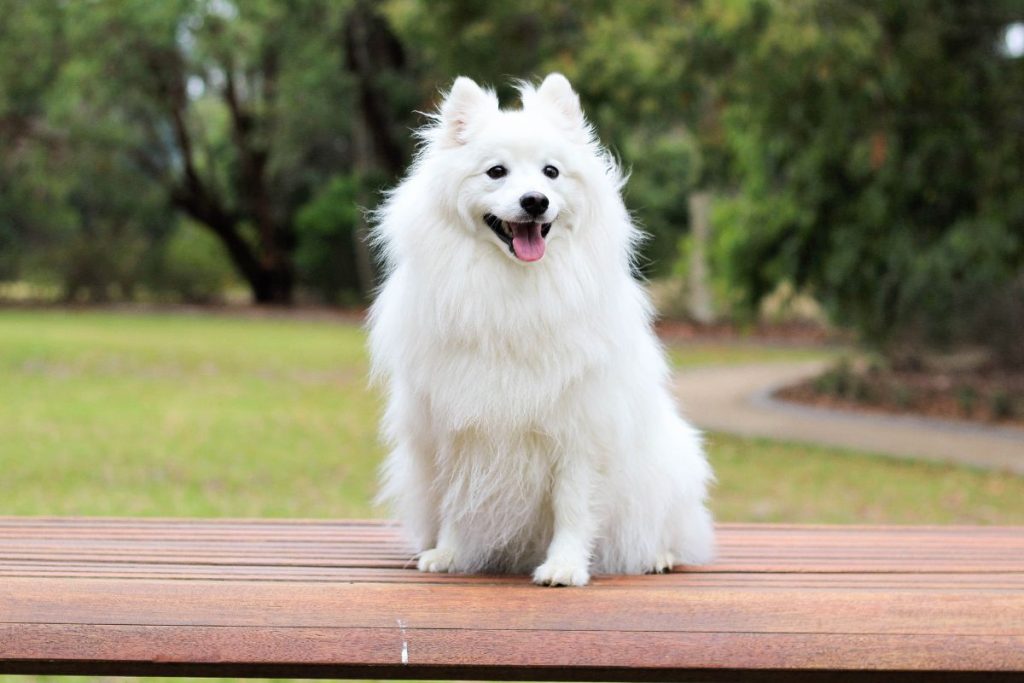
(313, 598)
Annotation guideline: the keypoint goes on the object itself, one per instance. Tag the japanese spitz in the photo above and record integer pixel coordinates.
(528, 409)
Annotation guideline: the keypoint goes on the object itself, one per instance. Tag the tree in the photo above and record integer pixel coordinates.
(235, 113)
(880, 154)
(29, 61)
(209, 90)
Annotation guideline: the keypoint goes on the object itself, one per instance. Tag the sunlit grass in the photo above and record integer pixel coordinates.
(163, 415)
(179, 415)
(766, 481)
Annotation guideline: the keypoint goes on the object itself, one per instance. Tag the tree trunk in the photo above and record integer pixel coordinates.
(371, 50)
(271, 280)
(272, 285)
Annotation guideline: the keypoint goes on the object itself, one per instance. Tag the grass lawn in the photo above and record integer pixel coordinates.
(205, 415)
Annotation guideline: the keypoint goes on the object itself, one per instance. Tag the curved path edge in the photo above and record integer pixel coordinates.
(739, 400)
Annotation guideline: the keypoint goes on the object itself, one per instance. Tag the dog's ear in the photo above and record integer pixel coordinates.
(463, 105)
(557, 93)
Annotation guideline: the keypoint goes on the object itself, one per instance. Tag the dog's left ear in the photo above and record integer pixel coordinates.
(556, 93)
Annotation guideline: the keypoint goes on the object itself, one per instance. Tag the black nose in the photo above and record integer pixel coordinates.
(534, 203)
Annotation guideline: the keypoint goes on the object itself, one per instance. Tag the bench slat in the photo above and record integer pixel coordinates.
(314, 598)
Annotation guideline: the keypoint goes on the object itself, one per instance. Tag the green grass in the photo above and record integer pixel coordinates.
(115, 414)
(178, 415)
(768, 481)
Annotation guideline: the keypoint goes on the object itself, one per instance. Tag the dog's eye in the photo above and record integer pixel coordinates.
(551, 172)
(497, 172)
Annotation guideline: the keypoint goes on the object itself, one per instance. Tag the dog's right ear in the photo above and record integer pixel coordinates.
(462, 108)
(558, 94)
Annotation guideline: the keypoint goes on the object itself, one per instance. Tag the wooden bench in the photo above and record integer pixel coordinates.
(340, 599)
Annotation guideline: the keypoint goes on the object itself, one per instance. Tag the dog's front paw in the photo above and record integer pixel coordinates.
(662, 563)
(437, 560)
(561, 572)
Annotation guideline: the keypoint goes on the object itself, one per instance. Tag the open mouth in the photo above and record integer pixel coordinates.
(524, 240)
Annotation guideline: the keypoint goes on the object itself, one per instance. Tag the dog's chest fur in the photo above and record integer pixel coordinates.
(502, 352)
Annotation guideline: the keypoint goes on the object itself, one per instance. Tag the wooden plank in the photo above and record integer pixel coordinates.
(579, 655)
(963, 610)
(277, 543)
(314, 598)
(681, 579)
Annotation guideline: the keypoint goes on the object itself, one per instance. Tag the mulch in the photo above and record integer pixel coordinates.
(989, 397)
(797, 333)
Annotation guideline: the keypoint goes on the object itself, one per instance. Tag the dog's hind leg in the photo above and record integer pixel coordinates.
(406, 491)
(694, 541)
(409, 471)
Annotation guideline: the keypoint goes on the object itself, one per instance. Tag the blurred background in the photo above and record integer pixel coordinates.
(832, 189)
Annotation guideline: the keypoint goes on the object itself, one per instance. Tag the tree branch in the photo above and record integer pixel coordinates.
(253, 162)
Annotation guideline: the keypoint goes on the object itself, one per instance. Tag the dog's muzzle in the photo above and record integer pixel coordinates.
(524, 239)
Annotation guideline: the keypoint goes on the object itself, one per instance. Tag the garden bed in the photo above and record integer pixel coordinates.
(988, 396)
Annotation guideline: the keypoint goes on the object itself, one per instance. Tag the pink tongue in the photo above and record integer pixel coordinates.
(527, 243)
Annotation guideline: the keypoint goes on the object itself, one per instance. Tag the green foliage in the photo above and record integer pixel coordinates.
(231, 113)
(193, 267)
(327, 230)
(78, 214)
(666, 170)
(491, 42)
(879, 155)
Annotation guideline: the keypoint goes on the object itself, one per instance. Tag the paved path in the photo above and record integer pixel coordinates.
(737, 400)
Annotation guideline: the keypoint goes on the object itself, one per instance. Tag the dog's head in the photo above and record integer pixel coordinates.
(521, 173)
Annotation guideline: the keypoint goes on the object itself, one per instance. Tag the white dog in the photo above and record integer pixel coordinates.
(528, 411)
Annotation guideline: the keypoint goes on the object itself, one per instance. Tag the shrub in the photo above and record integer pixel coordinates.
(325, 259)
(1002, 405)
(192, 266)
(966, 399)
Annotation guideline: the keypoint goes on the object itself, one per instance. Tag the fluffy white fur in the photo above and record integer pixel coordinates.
(529, 415)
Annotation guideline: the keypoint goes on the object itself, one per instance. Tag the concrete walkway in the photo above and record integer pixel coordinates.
(738, 400)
